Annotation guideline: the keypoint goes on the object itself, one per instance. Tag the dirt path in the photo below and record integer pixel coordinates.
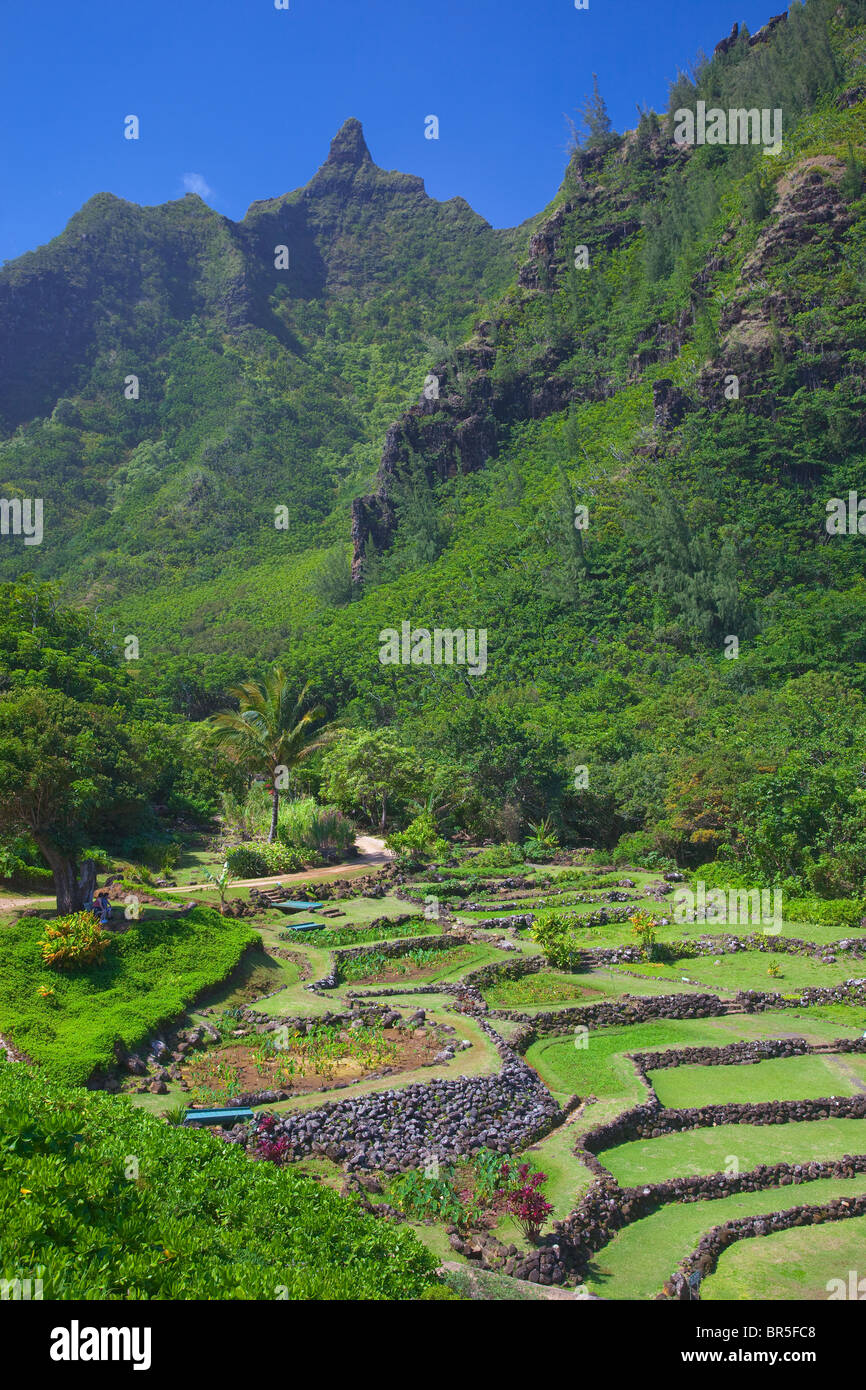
(371, 851)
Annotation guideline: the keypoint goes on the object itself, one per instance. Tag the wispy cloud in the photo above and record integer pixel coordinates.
(197, 183)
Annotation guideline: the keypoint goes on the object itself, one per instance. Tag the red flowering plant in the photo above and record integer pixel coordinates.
(269, 1143)
(524, 1201)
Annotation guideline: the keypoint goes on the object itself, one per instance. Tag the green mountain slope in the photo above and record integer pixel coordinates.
(698, 387)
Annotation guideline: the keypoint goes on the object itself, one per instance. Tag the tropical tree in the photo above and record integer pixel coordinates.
(371, 771)
(270, 732)
(71, 776)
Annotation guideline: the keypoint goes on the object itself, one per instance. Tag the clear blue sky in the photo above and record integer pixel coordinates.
(245, 97)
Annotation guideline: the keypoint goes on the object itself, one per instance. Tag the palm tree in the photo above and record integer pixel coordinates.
(269, 731)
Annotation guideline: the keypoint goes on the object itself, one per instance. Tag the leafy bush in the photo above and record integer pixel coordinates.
(246, 862)
(552, 930)
(418, 841)
(498, 857)
(844, 913)
(75, 940)
(543, 842)
(203, 1221)
(641, 849)
(259, 860)
(525, 1203)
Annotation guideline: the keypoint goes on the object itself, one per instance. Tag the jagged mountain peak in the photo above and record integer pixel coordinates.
(349, 146)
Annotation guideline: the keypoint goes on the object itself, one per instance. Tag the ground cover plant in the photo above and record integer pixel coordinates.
(290, 1059)
(359, 936)
(200, 1221)
(749, 970)
(152, 972)
(544, 987)
(470, 1193)
(418, 963)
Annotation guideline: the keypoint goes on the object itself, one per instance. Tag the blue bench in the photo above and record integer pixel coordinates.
(217, 1117)
(305, 926)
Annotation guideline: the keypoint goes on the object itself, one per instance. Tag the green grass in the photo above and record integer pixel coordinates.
(748, 970)
(779, 1078)
(641, 1257)
(149, 976)
(796, 1264)
(696, 1151)
(547, 987)
(601, 1069)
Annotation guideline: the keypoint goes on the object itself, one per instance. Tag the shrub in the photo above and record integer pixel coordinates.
(75, 940)
(542, 843)
(259, 860)
(843, 913)
(552, 931)
(526, 1204)
(418, 841)
(640, 848)
(498, 857)
(246, 862)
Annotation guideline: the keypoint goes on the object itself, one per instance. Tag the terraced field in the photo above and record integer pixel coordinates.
(812, 1263)
(641, 1257)
(779, 1078)
(522, 1080)
(711, 1150)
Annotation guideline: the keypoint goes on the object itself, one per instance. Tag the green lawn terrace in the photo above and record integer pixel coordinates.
(777, 1078)
(694, 1152)
(794, 1264)
(599, 1063)
(808, 1263)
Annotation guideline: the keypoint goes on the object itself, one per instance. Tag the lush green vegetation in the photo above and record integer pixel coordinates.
(104, 1202)
(607, 647)
(151, 973)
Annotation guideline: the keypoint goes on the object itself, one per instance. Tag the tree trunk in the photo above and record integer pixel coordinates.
(275, 815)
(69, 890)
(384, 812)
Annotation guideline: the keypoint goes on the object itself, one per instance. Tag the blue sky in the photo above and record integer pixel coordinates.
(239, 100)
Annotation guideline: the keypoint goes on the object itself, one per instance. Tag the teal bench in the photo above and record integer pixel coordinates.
(216, 1117)
(290, 906)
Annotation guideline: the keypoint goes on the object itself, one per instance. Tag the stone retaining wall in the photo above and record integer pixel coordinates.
(397, 1130)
